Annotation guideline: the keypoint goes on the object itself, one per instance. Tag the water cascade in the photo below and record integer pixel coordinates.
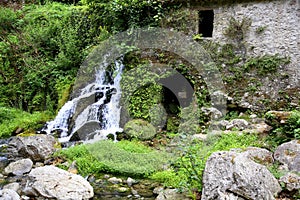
(95, 113)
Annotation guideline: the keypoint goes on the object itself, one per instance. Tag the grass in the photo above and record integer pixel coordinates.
(123, 158)
(11, 119)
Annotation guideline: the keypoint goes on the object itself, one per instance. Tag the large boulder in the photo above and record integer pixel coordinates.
(37, 147)
(7, 194)
(52, 182)
(236, 175)
(288, 154)
(19, 167)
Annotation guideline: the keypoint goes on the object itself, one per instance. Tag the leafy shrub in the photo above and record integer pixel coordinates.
(285, 132)
(265, 64)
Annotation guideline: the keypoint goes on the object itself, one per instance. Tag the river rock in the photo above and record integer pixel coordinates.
(12, 186)
(115, 180)
(7, 194)
(171, 194)
(52, 182)
(130, 181)
(37, 147)
(291, 181)
(289, 155)
(19, 167)
(86, 131)
(233, 174)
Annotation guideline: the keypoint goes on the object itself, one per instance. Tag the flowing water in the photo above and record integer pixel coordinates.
(103, 112)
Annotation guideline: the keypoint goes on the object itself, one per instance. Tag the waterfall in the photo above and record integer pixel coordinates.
(95, 113)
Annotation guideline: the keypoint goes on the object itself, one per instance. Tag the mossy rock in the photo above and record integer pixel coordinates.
(140, 129)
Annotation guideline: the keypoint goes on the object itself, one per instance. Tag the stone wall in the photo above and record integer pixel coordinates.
(275, 29)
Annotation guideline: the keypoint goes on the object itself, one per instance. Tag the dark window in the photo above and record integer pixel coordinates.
(206, 22)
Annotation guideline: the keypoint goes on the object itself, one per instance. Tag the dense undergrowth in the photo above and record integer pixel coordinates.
(43, 46)
(13, 119)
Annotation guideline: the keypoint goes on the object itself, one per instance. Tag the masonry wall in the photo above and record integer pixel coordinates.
(275, 29)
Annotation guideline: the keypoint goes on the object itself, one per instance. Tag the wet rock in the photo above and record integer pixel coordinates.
(130, 181)
(86, 131)
(52, 182)
(12, 186)
(239, 124)
(37, 147)
(288, 154)
(115, 180)
(19, 167)
(7, 194)
(123, 189)
(171, 194)
(3, 162)
(233, 174)
(291, 181)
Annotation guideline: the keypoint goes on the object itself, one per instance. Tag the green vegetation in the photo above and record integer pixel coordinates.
(139, 129)
(285, 132)
(12, 119)
(124, 158)
(186, 172)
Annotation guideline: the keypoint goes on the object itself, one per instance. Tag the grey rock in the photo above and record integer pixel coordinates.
(233, 174)
(212, 112)
(171, 194)
(239, 124)
(3, 162)
(130, 181)
(7, 194)
(86, 131)
(115, 180)
(289, 155)
(291, 181)
(52, 182)
(158, 190)
(261, 127)
(259, 155)
(19, 167)
(12, 186)
(37, 147)
(219, 125)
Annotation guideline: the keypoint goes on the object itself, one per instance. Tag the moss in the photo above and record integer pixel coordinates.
(139, 129)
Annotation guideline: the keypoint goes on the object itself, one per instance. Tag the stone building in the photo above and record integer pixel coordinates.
(263, 27)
